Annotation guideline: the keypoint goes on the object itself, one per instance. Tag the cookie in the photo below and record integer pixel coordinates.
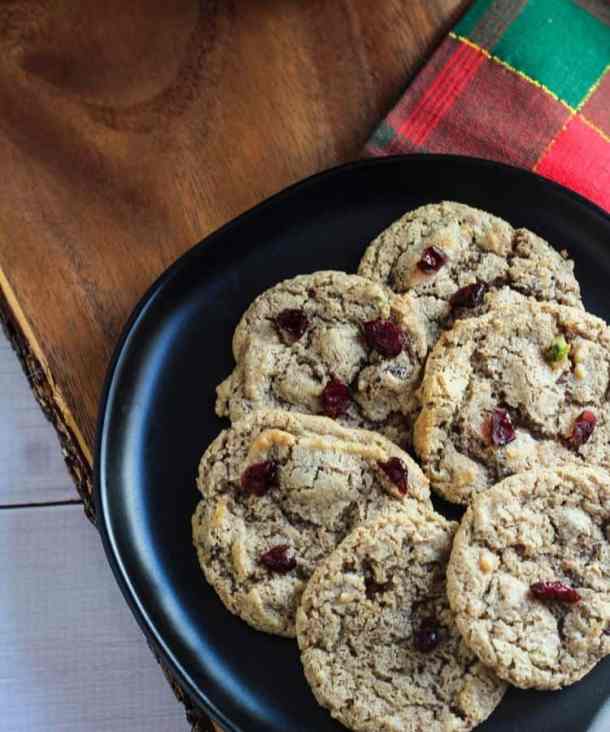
(280, 491)
(379, 644)
(333, 344)
(458, 261)
(529, 575)
(523, 387)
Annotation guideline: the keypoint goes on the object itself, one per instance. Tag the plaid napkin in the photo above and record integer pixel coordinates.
(526, 82)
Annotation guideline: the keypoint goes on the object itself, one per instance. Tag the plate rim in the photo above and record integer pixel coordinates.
(99, 493)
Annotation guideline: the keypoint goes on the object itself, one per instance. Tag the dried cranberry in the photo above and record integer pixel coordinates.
(469, 296)
(278, 560)
(397, 472)
(432, 260)
(335, 398)
(583, 428)
(501, 430)
(554, 591)
(428, 636)
(384, 336)
(292, 321)
(259, 477)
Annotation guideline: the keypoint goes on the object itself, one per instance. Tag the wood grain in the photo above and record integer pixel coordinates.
(129, 131)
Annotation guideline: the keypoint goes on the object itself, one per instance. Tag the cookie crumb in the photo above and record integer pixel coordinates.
(580, 353)
(486, 562)
(268, 439)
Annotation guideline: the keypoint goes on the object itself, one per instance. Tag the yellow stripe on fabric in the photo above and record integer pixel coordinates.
(593, 88)
(552, 141)
(590, 124)
(490, 56)
(595, 128)
(574, 110)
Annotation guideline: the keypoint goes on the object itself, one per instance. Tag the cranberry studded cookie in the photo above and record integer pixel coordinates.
(280, 491)
(330, 344)
(522, 387)
(379, 644)
(458, 261)
(529, 575)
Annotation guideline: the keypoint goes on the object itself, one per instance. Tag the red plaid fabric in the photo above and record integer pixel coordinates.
(526, 82)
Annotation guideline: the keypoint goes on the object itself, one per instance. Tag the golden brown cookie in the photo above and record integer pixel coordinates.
(378, 640)
(280, 491)
(458, 261)
(331, 344)
(529, 575)
(523, 387)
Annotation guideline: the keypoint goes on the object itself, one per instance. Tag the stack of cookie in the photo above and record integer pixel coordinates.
(462, 344)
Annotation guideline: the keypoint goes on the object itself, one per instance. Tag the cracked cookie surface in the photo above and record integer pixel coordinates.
(309, 332)
(511, 391)
(280, 491)
(378, 639)
(542, 526)
(473, 247)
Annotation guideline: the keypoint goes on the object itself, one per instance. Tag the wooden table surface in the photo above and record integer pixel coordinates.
(130, 130)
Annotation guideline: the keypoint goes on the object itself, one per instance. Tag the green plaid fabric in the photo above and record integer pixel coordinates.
(525, 82)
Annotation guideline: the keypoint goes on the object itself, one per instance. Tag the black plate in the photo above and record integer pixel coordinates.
(157, 417)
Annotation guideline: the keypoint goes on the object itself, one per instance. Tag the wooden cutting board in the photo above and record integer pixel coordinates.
(130, 130)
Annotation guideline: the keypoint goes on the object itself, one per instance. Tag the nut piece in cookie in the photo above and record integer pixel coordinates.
(529, 576)
(280, 491)
(379, 643)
